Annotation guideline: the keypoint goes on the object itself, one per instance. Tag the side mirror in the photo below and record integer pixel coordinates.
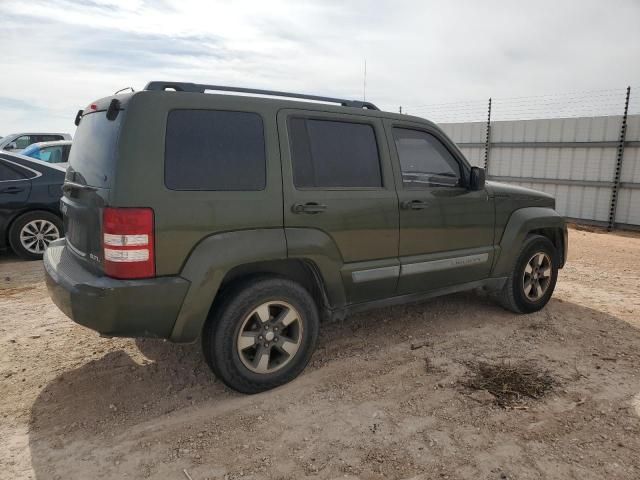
(11, 146)
(477, 178)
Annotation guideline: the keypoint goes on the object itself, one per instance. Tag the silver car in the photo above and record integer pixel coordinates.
(16, 142)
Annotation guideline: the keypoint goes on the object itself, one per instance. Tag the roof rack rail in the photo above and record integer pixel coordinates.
(201, 88)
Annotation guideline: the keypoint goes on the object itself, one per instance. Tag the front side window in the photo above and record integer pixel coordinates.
(424, 160)
(214, 150)
(328, 153)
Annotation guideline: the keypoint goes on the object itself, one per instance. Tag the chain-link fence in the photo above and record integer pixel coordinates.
(582, 147)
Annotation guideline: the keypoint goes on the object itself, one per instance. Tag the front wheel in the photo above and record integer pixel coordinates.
(533, 279)
(262, 334)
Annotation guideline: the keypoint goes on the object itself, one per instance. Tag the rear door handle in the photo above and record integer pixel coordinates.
(414, 205)
(310, 207)
(12, 190)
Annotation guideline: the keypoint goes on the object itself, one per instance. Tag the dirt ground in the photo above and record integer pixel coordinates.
(77, 406)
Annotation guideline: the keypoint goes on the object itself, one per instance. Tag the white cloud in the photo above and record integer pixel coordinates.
(59, 55)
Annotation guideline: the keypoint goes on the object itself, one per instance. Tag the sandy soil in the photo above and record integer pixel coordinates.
(74, 405)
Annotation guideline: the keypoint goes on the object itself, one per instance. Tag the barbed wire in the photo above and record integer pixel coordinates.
(529, 108)
(590, 93)
(603, 102)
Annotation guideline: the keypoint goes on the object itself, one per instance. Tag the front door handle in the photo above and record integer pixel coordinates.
(310, 207)
(414, 205)
(12, 190)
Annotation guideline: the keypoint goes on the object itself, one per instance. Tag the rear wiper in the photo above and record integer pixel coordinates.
(67, 186)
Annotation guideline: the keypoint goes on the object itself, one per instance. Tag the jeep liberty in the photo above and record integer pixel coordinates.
(243, 220)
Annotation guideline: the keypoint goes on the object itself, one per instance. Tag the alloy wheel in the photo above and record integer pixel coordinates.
(36, 236)
(537, 276)
(269, 337)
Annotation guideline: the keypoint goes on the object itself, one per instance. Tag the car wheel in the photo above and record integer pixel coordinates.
(262, 334)
(32, 232)
(533, 279)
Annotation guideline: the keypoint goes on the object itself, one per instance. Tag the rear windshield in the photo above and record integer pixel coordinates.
(93, 152)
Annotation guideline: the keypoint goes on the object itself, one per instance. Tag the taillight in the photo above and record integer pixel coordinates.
(127, 239)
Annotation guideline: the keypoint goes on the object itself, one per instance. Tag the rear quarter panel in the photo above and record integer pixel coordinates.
(46, 192)
(183, 219)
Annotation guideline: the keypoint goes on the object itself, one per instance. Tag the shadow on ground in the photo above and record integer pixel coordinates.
(108, 396)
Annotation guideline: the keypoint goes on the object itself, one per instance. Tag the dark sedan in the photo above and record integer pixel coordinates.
(30, 192)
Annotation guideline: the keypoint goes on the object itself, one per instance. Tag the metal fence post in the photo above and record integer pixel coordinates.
(619, 158)
(487, 142)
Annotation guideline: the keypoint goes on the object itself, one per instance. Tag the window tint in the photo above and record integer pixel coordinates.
(214, 150)
(333, 154)
(10, 173)
(424, 160)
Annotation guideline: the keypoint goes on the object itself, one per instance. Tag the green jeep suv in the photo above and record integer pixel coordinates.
(245, 220)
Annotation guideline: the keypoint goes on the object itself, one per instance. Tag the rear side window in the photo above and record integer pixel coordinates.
(327, 153)
(214, 150)
(10, 173)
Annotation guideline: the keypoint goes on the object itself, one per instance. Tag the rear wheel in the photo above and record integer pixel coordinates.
(262, 334)
(533, 278)
(31, 233)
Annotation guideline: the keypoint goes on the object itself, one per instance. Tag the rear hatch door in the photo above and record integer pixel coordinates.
(89, 180)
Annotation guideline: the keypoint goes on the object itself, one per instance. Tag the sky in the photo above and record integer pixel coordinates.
(59, 55)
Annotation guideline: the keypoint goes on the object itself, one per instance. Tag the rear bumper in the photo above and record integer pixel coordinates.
(119, 308)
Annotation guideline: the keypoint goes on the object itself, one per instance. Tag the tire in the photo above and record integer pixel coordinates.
(40, 226)
(522, 296)
(249, 324)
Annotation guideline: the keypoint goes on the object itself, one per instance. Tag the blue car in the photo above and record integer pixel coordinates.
(50, 152)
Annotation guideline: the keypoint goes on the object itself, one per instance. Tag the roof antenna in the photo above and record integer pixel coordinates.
(123, 89)
(364, 82)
